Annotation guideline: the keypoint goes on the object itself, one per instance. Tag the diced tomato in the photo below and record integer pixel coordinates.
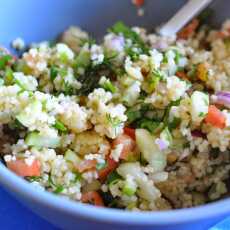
(188, 30)
(130, 132)
(222, 34)
(86, 165)
(21, 168)
(182, 75)
(111, 166)
(92, 197)
(215, 117)
(128, 145)
(138, 2)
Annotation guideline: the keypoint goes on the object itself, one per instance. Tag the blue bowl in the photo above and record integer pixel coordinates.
(44, 20)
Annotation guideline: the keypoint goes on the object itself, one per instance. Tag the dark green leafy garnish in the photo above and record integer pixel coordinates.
(33, 178)
(121, 28)
(132, 53)
(53, 72)
(90, 79)
(4, 60)
(108, 199)
(172, 125)
(78, 177)
(113, 176)
(192, 72)
(177, 56)
(133, 115)
(148, 124)
(57, 188)
(108, 86)
(16, 125)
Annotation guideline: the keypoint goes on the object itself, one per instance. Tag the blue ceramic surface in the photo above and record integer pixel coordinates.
(44, 20)
(14, 215)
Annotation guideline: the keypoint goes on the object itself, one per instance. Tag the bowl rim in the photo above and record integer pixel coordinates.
(21, 187)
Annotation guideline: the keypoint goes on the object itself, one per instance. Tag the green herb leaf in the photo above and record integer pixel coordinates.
(60, 126)
(113, 176)
(33, 178)
(148, 124)
(53, 72)
(4, 59)
(177, 56)
(133, 115)
(172, 125)
(9, 77)
(114, 121)
(108, 86)
(201, 114)
(121, 28)
(58, 189)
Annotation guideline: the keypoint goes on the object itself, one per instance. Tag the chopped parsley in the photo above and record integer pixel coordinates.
(148, 124)
(121, 28)
(175, 122)
(112, 178)
(56, 188)
(202, 114)
(108, 86)
(133, 115)
(53, 72)
(33, 178)
(60, 126)
(4, 60)
(114, 121)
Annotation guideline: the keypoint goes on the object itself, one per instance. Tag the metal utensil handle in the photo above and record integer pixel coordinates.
(183, 16)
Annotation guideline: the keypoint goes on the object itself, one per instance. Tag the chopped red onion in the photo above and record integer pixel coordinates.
(223, 98)
(198, 133)
(161, 144)
(117, 43)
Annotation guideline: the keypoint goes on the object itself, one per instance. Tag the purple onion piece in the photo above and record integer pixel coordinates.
(161, 45)
(117, 43)
(198, 133)
(223, 98)
(161, 144)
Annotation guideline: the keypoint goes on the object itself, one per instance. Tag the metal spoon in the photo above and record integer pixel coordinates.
(183, 16)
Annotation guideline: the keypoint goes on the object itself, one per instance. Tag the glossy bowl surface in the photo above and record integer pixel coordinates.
(44, 20)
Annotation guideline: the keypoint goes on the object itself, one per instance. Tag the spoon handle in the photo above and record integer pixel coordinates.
(182, 17)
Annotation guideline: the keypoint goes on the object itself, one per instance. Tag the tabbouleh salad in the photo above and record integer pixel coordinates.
(138, 122)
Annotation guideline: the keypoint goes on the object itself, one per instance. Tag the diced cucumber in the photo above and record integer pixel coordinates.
(25, 82)
(146, 189)
(132, 93)
(71, 157)
(199, 105)
(24, 117)
(38, 140)
(130, 187)
(147, 146)
(83, 59)
(128, 191)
